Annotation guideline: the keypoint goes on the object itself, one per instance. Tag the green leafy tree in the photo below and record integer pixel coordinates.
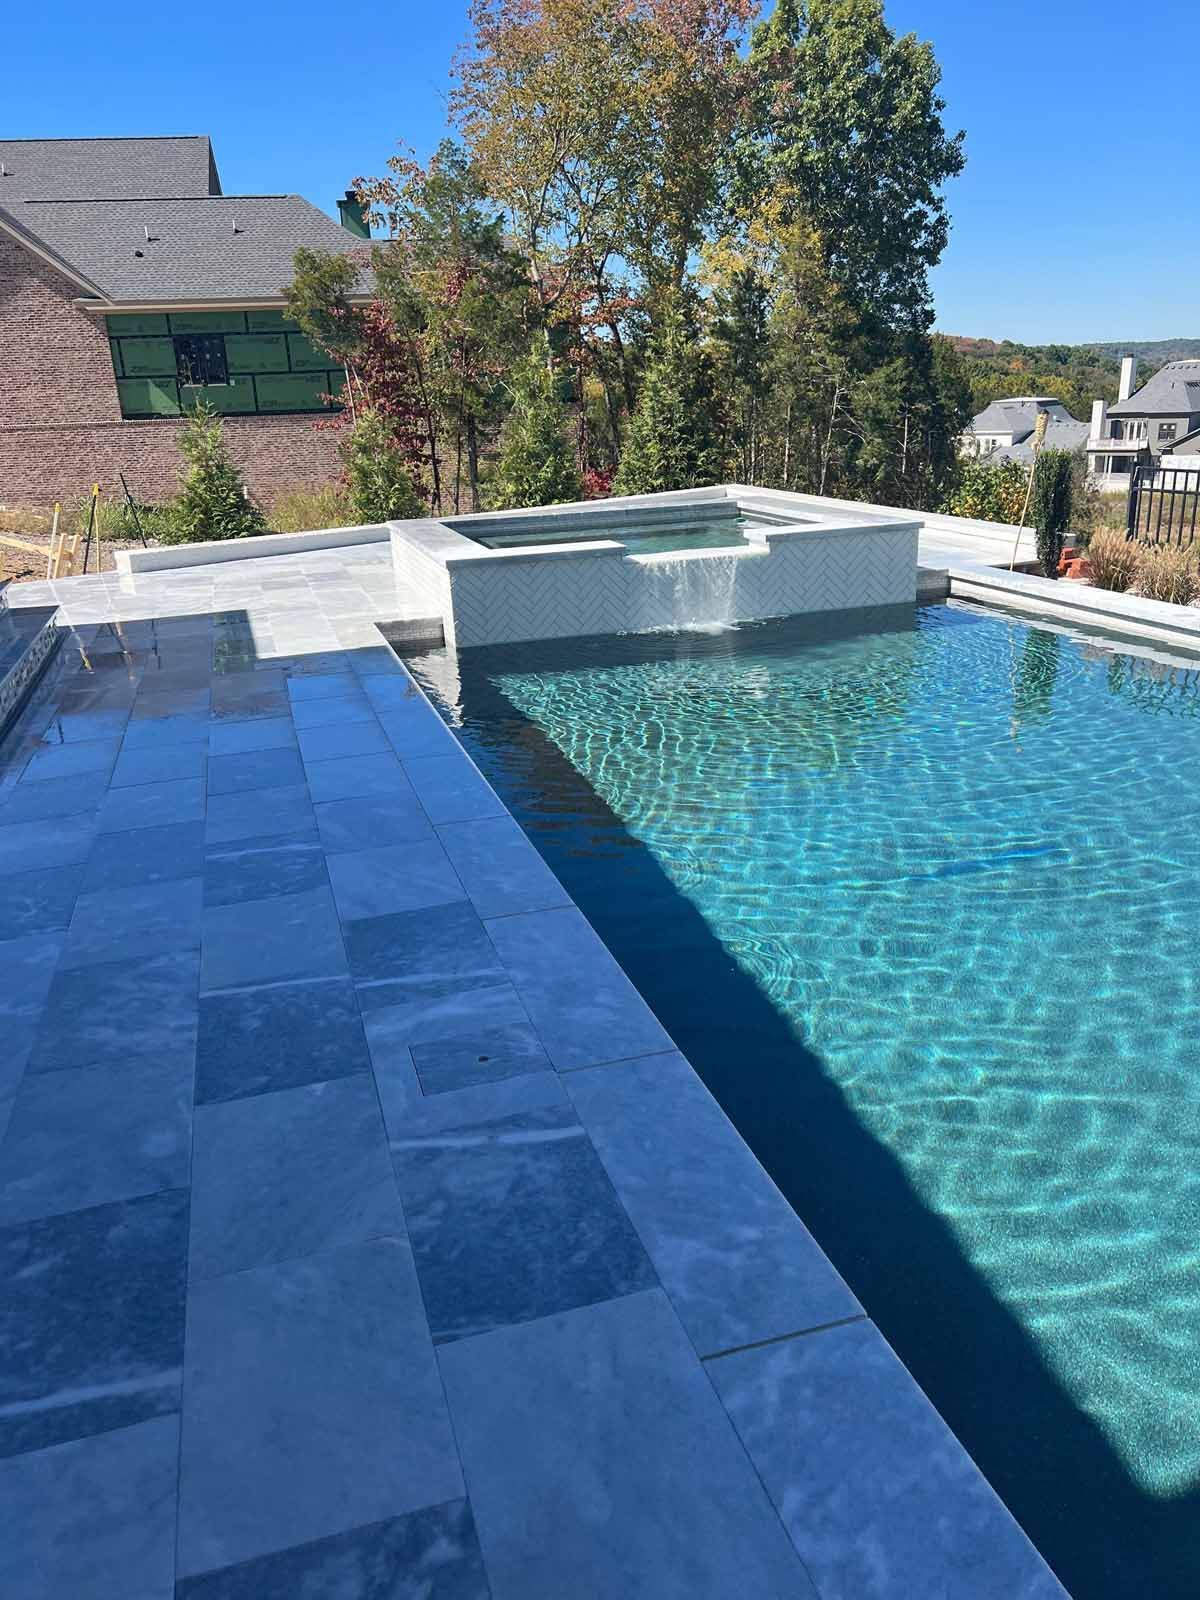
(743, 343)
(1050, 507)
(671, 443)
(384, 362)
(321, 299)
(212, 503)
(849, 122)
(536, 464)
(376, 470)
(909, 413)
(460, 295)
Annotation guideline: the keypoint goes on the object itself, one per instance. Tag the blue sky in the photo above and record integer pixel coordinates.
(1071, 222)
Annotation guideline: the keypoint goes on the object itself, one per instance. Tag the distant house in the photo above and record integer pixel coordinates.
(1004, 430)
(1144, 423)
(1184, 451)
(129, 285)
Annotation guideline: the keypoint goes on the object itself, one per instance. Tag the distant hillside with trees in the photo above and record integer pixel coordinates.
(1076, 373)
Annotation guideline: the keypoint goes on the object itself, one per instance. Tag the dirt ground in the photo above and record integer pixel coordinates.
(17, 564)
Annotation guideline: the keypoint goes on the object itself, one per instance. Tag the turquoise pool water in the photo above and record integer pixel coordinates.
(919, 894)
(717, 533)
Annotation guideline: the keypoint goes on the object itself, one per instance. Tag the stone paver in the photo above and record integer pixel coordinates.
(337, 1155)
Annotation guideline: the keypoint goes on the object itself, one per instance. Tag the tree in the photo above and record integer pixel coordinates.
(212, 503)
(385, 372)
(671, 442)
(451, 281)
(728, 254)
(742, 337)
(1050, 507)
(909, 414)
(849, 122)
(536, 465)
(377, 472)
(322, 298)
(598, 124)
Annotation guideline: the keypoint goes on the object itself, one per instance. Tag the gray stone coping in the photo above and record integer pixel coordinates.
(170, 557)
(449, 542)
(1078, 602)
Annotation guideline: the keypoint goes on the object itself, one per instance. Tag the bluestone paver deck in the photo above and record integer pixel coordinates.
(361, 1231)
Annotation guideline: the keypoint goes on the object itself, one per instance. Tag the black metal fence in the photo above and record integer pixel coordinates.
(1164, 505)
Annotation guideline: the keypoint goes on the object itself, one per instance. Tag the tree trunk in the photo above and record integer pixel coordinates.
(473, 461)
(430, 430)
(825, 453)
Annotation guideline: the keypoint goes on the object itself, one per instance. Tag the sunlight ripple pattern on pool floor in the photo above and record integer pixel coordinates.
(963, 861)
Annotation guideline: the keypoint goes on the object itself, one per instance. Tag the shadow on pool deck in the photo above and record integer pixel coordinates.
(1052, 1465)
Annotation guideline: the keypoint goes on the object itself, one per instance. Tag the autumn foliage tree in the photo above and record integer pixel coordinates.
(618, 160)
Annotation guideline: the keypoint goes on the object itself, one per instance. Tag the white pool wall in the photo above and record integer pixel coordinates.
(821, 561)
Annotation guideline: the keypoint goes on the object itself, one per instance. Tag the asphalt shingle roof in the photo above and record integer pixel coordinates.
(1062, 433)
(1174, 391)
(112, 169)
(198, 249)
(1019, 415)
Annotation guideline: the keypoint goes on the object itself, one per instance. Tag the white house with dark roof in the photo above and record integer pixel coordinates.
(130, 285)
(1003, 430)
(1144, 424)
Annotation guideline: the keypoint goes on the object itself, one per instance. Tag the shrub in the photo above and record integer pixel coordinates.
(597, 483)
(1113, 559)
(991, 493)
(1050, 507)
(536, 466)
(113, 523)
(1089, 508)
(154, 523)
(671, 439)
(1165, 572)
(377, 475)
(213, 503)
(302, 510)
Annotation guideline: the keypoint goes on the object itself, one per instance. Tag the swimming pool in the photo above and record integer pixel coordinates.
(917, 894)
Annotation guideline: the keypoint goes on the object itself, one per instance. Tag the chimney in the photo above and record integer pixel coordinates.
(1129, 366)
(352, 215)
(1099, 425)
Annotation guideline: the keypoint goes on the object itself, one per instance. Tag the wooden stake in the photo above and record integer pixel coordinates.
(50, 553)
(91, 527)
(1039, 438)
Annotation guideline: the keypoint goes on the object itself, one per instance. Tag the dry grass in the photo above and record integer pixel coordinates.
(305, 510)
(1165, 572)
(24, 520)
(1113, 560)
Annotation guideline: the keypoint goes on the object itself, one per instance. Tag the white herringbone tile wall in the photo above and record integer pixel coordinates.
(560, 597)
(567, 596)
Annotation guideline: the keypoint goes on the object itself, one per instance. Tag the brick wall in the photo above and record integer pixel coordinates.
(60, 421)
(55, 364)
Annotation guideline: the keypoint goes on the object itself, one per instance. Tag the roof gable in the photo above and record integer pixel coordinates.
(1062, 433)
(95, 169)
